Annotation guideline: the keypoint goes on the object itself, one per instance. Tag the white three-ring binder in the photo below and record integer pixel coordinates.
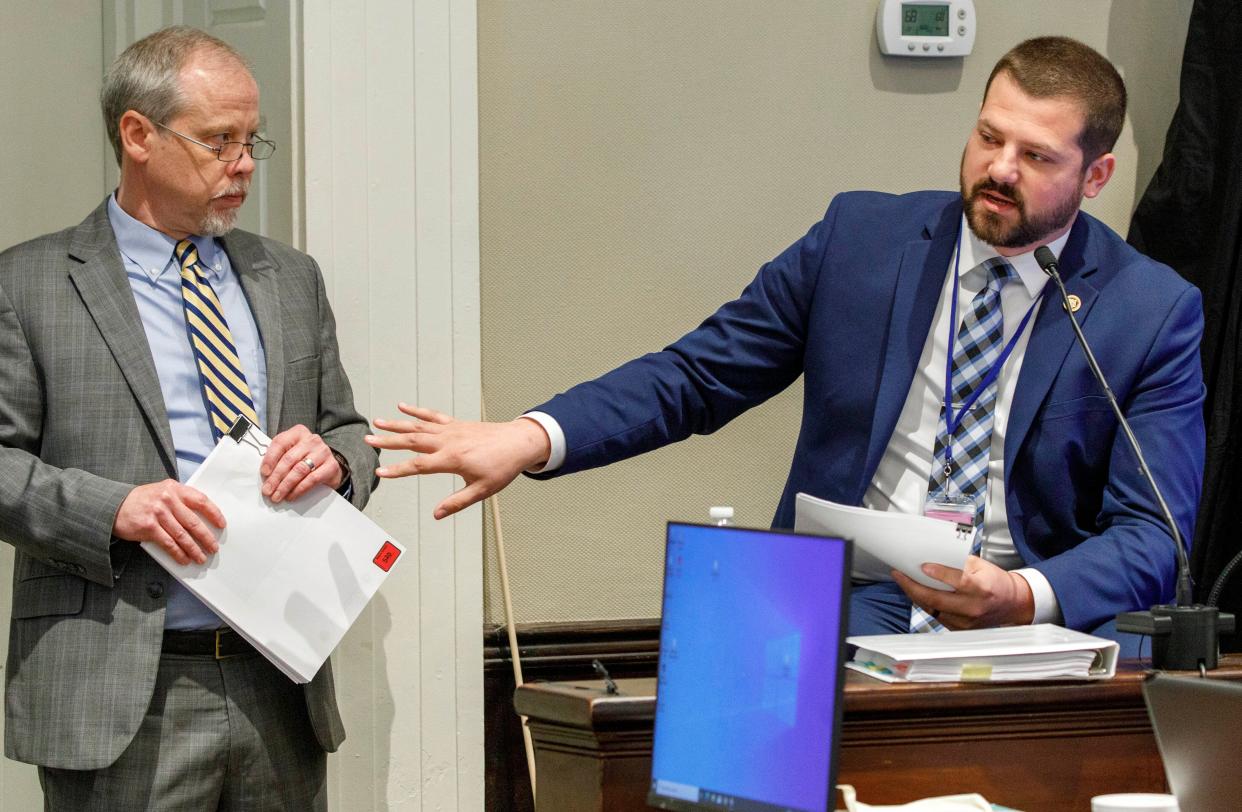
(290, 577)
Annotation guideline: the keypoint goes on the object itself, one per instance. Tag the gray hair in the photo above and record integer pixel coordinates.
(146, 77)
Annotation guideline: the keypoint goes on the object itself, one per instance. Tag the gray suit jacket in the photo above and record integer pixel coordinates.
(82, 421)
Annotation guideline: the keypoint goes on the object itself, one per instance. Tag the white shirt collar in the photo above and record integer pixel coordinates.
(152, 251)
(975, 250)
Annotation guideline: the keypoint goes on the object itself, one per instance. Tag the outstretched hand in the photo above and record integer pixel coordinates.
(983, 595)
(488, 456)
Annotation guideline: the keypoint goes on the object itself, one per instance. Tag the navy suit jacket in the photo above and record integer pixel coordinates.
(849, 306)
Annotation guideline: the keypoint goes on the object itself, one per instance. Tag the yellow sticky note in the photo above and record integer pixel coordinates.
(976, 672)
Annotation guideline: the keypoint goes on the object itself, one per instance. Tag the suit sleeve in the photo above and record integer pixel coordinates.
(749, 350)
(60, 516)
(338, 422)
(1130, 564)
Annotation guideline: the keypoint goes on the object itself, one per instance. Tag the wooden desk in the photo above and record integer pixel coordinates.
(1032, 746)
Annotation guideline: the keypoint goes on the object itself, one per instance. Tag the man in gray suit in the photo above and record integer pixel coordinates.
(126, 343)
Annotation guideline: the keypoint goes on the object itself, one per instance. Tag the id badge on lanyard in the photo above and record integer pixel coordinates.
(949, 504)
(951, 507)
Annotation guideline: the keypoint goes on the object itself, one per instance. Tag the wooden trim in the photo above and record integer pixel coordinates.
(1033, 745)
(551, 652)
(556, 650)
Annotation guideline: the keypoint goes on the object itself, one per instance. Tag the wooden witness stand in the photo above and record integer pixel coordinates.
(1031, 746)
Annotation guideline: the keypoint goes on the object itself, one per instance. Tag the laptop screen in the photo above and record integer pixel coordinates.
(751, 646)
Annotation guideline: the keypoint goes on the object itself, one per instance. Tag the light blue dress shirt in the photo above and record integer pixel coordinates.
(156, 282)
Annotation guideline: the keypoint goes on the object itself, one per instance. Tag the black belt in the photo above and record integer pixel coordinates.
(215, 643)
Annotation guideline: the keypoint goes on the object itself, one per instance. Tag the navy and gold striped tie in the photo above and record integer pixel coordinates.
(225, 392)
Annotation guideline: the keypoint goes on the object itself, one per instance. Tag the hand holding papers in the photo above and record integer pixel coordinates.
(290, 577)
(886, 541)
(985, 655)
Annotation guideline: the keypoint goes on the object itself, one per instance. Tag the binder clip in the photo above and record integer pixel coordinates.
(240, 433)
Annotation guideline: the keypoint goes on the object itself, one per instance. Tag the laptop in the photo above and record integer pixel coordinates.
(1198, 724)
(748, 703)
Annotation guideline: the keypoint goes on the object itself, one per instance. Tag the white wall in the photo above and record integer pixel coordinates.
(51, 176)
(391, 162)
(52, 166)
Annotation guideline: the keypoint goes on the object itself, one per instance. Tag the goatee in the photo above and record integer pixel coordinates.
(218, 222)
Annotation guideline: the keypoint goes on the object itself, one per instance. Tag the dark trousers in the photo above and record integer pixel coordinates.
(219, 736)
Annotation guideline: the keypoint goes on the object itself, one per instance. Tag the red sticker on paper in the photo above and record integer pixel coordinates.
(387, 556)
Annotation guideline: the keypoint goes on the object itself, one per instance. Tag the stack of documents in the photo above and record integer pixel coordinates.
(291, 577)
(1009, 653)
(886, 541)
(942, 803)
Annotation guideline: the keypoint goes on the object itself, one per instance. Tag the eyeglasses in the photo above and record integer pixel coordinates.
(260, 149)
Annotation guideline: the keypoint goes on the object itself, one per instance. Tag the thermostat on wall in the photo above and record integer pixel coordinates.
(925, 27)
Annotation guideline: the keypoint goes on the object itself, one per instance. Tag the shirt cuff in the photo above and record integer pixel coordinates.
(556, 458)
(1047, 609)
(346, 488)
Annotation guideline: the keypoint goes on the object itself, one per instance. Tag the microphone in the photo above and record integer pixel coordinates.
(610, 687)
(1184, 634)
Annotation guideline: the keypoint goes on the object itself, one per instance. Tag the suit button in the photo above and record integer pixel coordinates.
(155, 589)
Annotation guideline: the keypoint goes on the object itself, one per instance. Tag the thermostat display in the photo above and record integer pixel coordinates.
(925, 27)
(924, 21)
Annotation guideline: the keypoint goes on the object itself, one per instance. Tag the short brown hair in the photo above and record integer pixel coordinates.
(146, 76)
(1047, 67)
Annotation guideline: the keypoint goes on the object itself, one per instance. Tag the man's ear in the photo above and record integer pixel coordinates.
(136, 133)
(1098, 173)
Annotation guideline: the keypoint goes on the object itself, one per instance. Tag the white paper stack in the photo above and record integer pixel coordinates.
(292, 577)
(1009, 653)
(886, 541)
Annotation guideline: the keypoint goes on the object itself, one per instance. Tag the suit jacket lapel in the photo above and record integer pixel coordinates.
(101, 282)
(1052, 338)
(257, 271)
(920, 278)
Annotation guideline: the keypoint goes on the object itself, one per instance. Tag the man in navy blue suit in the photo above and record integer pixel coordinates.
(884, 305)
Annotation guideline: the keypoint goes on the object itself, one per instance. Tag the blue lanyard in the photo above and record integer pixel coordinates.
(952, 421)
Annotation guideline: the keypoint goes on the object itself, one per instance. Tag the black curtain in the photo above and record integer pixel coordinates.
(1191, 219)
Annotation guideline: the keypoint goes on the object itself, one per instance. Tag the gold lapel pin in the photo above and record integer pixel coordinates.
(1074, 303)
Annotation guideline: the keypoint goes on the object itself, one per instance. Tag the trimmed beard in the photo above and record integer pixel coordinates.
(994, 231)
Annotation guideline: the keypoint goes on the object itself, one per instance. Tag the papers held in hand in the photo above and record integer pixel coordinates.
(1008, 653)
(886, 541)
(291, 577)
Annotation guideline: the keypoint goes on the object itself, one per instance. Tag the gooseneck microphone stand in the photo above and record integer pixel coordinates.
(1184, 634)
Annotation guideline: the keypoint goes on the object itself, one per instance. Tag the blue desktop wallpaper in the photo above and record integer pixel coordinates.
(749, 663)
